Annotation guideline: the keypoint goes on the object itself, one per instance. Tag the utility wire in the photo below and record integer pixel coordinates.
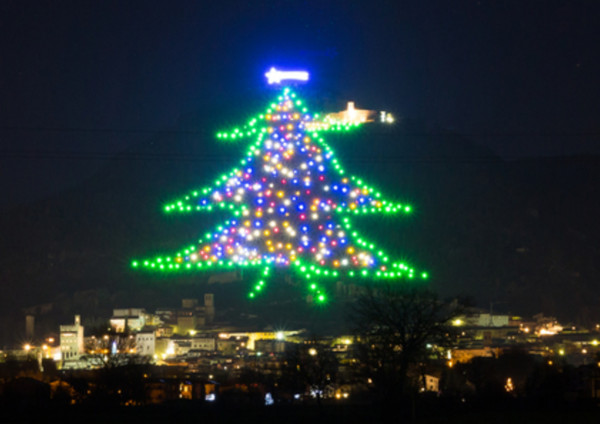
(205, 131)
(212, 158)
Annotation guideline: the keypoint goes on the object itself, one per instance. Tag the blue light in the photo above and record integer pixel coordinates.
(275, 76)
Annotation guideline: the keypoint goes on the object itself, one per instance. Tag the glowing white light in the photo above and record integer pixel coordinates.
(386, 117)
(275, 76)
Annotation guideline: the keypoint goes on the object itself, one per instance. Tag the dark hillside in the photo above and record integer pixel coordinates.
(523, 232)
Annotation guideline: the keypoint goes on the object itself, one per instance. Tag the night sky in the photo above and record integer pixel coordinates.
(82, 80)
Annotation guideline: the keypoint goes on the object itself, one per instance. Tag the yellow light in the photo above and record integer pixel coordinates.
(312, 351)
(509, 386)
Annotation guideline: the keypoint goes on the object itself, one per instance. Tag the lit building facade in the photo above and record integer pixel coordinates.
(71, 340)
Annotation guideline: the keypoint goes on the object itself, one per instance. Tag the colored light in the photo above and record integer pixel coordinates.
(289, 176)
(275, 76)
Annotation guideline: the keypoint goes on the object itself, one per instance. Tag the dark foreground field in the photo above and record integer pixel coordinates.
(332, 414)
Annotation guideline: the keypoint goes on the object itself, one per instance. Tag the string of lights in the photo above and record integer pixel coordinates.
(291, 205)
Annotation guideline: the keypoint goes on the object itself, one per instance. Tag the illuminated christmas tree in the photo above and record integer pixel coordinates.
(290, 203)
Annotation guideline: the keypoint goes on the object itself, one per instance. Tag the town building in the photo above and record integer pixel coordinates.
(71, 340)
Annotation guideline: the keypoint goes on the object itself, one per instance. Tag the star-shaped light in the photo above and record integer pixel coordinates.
(275, 76)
